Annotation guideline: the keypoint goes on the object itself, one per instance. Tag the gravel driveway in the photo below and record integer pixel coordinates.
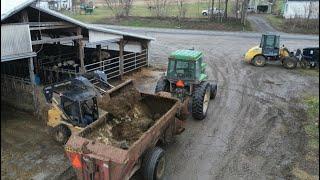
(260, 24)
(253, 127)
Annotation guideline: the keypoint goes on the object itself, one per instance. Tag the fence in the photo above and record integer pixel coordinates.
(111, 67)
(17, 92)
(50, 74)
(134, 61)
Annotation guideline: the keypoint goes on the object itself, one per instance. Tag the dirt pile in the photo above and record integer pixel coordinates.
(129, 118)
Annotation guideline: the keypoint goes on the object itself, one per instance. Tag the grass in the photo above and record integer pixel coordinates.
(187, 23)
(311, 127)
(309, 72)
(101, 13)
(307, 168)
(140, 16)
(294, 25)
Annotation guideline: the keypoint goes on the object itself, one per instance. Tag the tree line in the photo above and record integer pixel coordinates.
(159, 8)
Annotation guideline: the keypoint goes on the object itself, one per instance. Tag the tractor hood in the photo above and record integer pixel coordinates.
(255, 48)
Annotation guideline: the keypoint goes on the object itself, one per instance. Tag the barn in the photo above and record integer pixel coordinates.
(40, 46)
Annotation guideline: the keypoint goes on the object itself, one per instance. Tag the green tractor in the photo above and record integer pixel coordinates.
(186, 79)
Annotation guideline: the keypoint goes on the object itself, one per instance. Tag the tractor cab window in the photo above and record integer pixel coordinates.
(71, 108)
(89, 111)
(181, 69)
(270, 42)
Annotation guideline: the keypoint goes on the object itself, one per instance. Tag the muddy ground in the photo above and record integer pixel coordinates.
(27, 150)
(253, 128)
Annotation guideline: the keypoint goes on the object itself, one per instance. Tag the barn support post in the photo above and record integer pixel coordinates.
(81, 57)
(99, 56)
(121, 57)
(145, 46)
(81, 52)
(25, 18)
(33, 84)
(148, 52)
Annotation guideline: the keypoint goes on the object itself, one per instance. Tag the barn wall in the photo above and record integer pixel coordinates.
(15, 39)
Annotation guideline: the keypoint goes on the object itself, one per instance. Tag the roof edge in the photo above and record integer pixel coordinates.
(16, 9)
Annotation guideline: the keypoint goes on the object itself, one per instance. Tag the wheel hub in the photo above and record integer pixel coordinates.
(206, 100)
(160, 168)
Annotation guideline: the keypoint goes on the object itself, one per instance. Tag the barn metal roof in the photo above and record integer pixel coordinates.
(88, 26)
(10, 7)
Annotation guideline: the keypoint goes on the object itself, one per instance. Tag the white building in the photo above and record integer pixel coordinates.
(301, 9)
(55, 4)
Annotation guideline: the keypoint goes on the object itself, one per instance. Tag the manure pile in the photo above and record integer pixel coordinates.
(130, 118)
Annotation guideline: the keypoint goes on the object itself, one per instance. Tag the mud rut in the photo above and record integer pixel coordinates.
(252, 130)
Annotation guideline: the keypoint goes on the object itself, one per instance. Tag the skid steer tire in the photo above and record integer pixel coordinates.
(213, 91)
(200, 101)
(304, 64)
(153, 164)
(259, 61)
(289, 63)
(61, 134)
(162, 85)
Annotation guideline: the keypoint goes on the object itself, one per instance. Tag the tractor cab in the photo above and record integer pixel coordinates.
(80, 106)
(187, 66)
(269, 50)
(76, 99)
(270, 45)
(186, 80)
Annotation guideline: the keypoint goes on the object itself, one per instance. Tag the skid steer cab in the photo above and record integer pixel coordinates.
(74, 106)
(270, 50)
(186, 79)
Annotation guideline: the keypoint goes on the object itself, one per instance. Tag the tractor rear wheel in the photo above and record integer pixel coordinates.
(162, 85)
(259, 61)
(213, 90)
(153, 164)
(290, 62)
(62, 134)
(200, 101)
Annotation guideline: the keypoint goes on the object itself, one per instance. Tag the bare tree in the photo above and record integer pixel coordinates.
(120, 8)
(237, 8)
(212, 6)
(157, 7)
(182, 10)
(226, 9)
(244, 12)
(219, 10)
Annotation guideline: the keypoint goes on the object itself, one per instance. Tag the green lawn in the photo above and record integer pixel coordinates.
(190, 23)
(294, 25)
(140, 16)
(102, 13)
(312, 125)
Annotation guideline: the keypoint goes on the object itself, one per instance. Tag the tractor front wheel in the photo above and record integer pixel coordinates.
(200, 101)
(62, 134)
(162, 85)
(259, 61)
(290, 63)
